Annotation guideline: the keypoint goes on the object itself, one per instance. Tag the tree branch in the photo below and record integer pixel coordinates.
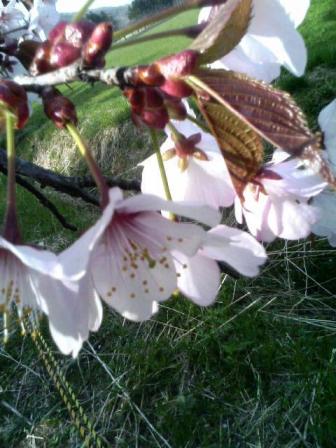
(70, 185)
(74, 72)
(42, 199)
(46, 203)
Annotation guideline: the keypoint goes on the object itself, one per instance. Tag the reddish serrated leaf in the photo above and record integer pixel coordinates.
(241, 147)
(271, 113)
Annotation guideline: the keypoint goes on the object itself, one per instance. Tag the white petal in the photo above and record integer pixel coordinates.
(198, 278)
(69, 309)
(296, 10)
(327, 122)
(326, 224)
(141, 202)
(184, 237)
(42, 261)
(271, 39)
(273, 32)
(236, 248)
(131, 292)
(74, 259)
(291, 220)
(238, 61)
(203, 182)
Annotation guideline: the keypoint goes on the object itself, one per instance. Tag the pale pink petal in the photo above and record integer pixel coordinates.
(326, 224)
(141, 202)
(75, 258)
(290, 220)
(236, 248)
(327, 122)
(198, 278)
(238, 61)
(203, 182)
(69, 308)
(40, 260)
(183, 237)
(296, 181)
(296, 10)
(132, 290)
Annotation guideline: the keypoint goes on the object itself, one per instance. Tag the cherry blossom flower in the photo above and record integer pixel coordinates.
(10, 17)
(128, 252)
(33, 280)
(199, 276)
(43, 17)
(195, 169)
(326, 201)
(270, 42)
(276, 203)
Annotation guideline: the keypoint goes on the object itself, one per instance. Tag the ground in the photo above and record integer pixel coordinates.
(257, 369)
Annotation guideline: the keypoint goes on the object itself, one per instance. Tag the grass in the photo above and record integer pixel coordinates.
(255, 370)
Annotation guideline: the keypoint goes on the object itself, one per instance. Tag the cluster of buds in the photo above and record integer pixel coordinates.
(13, 98)
(157, 90)
(58, 108)
(69, 42)
(153, 107)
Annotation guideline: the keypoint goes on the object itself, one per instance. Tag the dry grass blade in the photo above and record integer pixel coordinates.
(226, 27)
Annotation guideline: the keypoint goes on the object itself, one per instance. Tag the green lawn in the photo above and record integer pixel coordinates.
(255, 370)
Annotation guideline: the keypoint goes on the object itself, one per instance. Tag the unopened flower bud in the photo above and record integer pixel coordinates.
(63, 54)
(41, 61)
(152, 98)
(149, 75)
(157, 118)
(78, 33)
(178, 65)
(176, 109)
(98, 44)
(56, 35)
(174, 68)
(14, 99)
(58, 108)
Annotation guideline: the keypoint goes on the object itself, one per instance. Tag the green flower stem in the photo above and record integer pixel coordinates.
(92, 164)
(11, 229)
(158, 17)
(174, 131)
(198, 123)
(10, 123)
(81, 13)
(163, 174)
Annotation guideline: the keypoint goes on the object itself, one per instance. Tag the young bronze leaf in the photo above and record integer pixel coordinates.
(271, 113)
(226, 26)
(240, 145)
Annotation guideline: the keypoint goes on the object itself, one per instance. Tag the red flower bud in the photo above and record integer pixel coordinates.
(176, 109)
(98, 43)
(176, 88)
(14, 98)
(78, 33)
(157, 118)
(63, 54)
(174, 68)
(22, 114)
(147, 74)
(57, 33)
(152, 98)
(58, 108)
(41, 62)
(178, 65)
